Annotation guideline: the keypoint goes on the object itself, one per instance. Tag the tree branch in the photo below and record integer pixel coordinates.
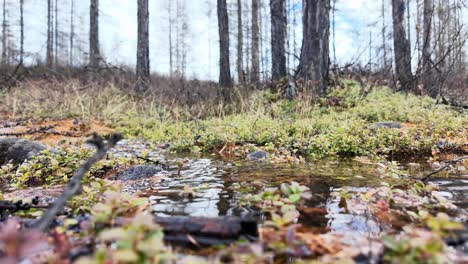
(448, 163)
(75, 183)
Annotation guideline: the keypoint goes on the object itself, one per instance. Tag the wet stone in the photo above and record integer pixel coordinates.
(139, 172)
(388, 125)
(18, 150)
(258, 155)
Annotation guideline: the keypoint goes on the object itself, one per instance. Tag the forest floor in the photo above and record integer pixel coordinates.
(338, 180)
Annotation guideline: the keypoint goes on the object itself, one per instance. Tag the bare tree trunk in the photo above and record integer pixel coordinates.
(408, 23)
(171, 58)
(314, 60)
(240, 44)
(248, 45)
(225, 80)
(418, 31)
(21, 31)
(50, 35)
(278, 38)
(143, 62)
(72, 31)
(56, 32)
(255, 69)
(4, 35)
(401, 47)
(384, 37)
(94, 54)
(427, 77)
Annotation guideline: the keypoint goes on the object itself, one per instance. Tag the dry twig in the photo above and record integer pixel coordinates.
(75, 183)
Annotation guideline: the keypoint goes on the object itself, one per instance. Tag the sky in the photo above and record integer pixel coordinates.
(356, 22)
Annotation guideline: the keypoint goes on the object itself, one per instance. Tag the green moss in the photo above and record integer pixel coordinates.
(319, 131)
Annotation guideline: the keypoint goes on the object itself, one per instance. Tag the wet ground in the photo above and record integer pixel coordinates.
(212, 186)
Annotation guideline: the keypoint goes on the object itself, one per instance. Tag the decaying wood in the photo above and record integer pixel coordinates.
(203, 231)
(75, 183)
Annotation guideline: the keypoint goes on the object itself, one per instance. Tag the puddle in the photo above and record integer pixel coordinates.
(217, 185)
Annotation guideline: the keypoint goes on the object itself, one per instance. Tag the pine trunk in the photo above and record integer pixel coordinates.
(4, 35)
(50, 36)
(225, 80)
(426, 51)
(401, 47)
(278, 38)
(21, 31)
(72, 32)
(94, 54)
(314, 60)
(143, 63)
(240, 44)
(255, 70)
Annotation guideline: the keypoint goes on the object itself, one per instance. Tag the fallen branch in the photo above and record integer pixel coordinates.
(448, 163)
(9, 207)
(204, 231)
(41, 130)
(75, 183)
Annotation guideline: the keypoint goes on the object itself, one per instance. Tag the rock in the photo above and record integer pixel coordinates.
(18, 150)
(388, 125)
(139, 172)
(258, 155)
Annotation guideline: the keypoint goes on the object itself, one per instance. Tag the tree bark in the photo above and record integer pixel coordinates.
(427, 77)
(4, 35)
(72, 31)
(94, 54)
(240, 44)
(255, 69)
(56, 32)
(21, 31)
(225, 80)
(50, 35)
(401, 47)
(171, 59)
(143, 62)
(384, 37)
(278, 38)
(314, 60)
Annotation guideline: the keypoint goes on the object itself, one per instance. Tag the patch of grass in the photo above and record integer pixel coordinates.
(303, 128)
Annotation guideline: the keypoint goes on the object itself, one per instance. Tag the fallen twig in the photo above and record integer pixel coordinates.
(448, 163)
(75, 183)
(41, 130)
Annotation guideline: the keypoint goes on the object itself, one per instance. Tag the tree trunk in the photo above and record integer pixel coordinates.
(427, 77)
(278, 38)
(4, 35)
(143, 63)
(255, 69)
(314, 60)
(50, 35)
(384, 37)
(171, 59)
(94, 54)
(408, 23)
(225, 80)
(21, 31)
(72, 32)
(56, 32)
(240, 44)
(401, 47)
